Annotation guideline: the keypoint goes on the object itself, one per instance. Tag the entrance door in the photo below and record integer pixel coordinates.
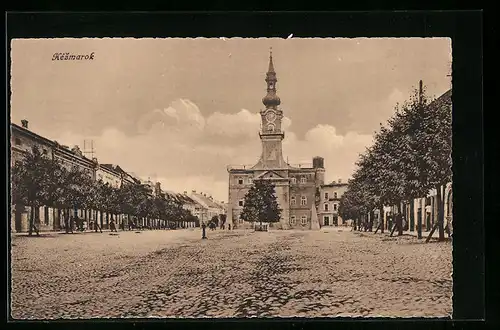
(326, 220)
(335, 220)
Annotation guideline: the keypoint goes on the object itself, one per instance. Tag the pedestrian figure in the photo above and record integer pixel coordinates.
(112, 226)
(229, 226)
(203, 227)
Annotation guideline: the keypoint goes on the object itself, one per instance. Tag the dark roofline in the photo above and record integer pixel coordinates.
(110, 168)
(55, 145)
(33, 134)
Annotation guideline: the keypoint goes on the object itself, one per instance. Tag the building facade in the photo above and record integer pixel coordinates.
(297, 187)
(48, 218)
(107, 173)
(22, 141)
(209, 206)
(328, 211)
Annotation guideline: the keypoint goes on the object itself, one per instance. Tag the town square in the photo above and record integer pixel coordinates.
(328, 273)
(232, 178)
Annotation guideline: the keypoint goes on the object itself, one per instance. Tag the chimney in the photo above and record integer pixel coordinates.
(24, 122)
(340, 180)
(185, 192)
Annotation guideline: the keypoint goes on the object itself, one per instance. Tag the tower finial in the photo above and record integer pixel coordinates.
(271, 65)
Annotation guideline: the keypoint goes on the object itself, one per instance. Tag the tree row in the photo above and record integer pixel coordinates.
(410, 156)
(40, 181)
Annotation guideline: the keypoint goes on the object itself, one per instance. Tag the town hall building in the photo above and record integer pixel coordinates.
(297, 187)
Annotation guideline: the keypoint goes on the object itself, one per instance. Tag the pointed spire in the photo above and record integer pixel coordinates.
(271, 99)
(271, 66)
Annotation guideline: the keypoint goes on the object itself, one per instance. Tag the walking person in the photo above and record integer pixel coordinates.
(112, 226)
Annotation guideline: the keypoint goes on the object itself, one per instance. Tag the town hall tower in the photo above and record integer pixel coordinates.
(297, 187)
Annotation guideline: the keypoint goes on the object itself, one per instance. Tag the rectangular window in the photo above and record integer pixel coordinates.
(292, 220)
(303, 220)
(335, 207)
(326, 195)
(250, 180)
(326, 207)
(294, 180)
(240, 181)
(303, 200)
(303, 179)
(240, 202)
(335, 195)
(292, 200)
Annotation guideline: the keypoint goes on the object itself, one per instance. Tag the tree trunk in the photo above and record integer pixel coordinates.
(32, 220)
(399, 221)
(419, 219)
(440, 213)
(381, 216)
(411, 218)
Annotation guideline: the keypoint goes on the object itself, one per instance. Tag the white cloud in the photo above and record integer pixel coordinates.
(185, 151)
(231, 125)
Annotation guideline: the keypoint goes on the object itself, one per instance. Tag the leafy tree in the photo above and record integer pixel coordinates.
(32, 182)
(261, 204)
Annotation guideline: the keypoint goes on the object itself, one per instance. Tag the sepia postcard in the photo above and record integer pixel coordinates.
(231, 178)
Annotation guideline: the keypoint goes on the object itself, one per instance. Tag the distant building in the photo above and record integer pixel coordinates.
(210, 208)
(297, 186)
(328, 211)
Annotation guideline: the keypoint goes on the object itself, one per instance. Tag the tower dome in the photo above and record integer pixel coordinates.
(271, 100)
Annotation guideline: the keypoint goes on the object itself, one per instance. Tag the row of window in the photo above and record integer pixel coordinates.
(303, 220)
(326, 207)
(303, 200)
(334, 195)
(293, 181)
(293, 201)
(293, 220)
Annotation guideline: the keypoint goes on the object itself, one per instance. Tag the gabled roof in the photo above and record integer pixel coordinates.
(209, 202)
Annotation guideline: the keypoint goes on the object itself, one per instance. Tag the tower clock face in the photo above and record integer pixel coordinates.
(271, 116)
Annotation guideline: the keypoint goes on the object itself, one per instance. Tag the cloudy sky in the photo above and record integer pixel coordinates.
(181, 110)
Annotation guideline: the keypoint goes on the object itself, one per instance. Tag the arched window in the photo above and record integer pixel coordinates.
(303, 219)
(292, 200)
(303, 200)
(292, 220)
(335, 195)
(294, 180)
(270, 128)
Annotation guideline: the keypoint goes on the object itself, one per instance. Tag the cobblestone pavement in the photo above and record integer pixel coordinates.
(323, 273)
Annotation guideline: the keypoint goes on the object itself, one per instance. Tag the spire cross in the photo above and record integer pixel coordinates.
(271, 51)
